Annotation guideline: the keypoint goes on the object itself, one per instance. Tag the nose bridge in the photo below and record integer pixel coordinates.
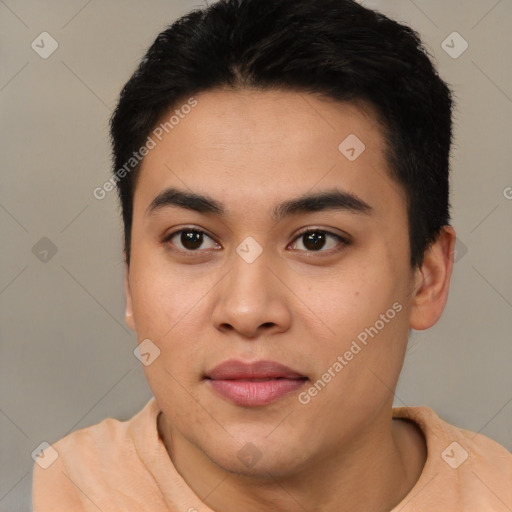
(250, 277)
(250, 295)
(250, 268)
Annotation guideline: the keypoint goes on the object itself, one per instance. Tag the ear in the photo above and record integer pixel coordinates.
(130, 321)
(432, 281)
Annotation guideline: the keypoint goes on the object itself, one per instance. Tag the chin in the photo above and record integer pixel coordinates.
(261, 459)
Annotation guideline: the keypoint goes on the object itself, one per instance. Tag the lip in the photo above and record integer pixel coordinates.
(254, 384)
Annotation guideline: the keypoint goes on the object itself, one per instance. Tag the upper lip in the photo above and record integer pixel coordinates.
(235, 369)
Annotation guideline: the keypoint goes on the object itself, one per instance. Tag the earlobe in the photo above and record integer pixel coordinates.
(130, 321)
(433, 281)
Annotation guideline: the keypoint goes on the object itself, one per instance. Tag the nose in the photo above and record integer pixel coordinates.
(251, 300)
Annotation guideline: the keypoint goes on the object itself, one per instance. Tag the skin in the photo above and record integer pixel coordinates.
(300, 307)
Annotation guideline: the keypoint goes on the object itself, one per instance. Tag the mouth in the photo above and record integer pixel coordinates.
(254, 384)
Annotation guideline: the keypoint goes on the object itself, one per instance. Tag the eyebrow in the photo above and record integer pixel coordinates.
(333, 199)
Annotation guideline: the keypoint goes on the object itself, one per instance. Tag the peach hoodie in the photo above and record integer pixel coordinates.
(124, 466)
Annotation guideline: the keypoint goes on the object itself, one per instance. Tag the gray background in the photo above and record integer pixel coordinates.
(66, 355)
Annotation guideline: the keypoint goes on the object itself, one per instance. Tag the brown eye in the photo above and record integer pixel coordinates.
(315, 240)
(189, 239)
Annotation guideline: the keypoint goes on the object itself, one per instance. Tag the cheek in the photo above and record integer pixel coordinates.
(154, 305)
(350, 298)
(160, 294)
(361, 311)
(168, 307)
(357, 368)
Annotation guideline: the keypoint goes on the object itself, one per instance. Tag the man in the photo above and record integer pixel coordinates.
(283, 174)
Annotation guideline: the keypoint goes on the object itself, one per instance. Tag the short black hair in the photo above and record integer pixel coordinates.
(334, 48)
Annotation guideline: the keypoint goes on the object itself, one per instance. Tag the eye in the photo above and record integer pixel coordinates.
(191, 239)
(314, 240)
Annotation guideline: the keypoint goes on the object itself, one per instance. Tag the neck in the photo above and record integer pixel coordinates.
(375, 472)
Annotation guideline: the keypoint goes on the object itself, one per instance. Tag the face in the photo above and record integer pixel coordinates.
(237, 279)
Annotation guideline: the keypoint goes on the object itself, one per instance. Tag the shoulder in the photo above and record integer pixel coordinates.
(474, 468)
(87, 461)
(479, 448)
(109, 437)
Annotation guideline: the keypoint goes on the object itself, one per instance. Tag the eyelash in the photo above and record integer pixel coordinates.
(344, 242)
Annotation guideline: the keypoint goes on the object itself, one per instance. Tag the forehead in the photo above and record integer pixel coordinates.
(259, 145)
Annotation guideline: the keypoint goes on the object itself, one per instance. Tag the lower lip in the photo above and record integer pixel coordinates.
(256, 393)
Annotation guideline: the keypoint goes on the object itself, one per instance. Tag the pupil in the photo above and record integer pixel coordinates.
(191, 239)
(315, 239)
